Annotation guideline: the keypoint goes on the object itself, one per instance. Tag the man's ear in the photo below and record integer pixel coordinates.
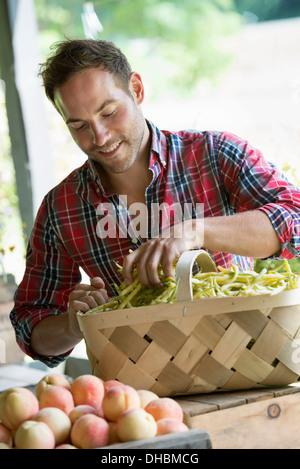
(136, 87)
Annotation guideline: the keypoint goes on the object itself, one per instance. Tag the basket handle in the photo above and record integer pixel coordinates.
(184, 271)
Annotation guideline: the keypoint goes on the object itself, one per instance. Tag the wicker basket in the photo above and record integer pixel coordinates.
(198, 346)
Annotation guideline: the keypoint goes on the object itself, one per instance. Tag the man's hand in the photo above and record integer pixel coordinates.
(83, 298)
(164, 250)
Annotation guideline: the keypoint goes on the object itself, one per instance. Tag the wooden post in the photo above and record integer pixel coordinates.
(24, 103)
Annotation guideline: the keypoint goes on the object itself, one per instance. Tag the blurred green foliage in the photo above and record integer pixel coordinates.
(265, 10)
(173, 43)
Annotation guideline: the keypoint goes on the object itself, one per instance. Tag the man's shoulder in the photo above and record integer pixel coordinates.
(194, 136)
(70, 184)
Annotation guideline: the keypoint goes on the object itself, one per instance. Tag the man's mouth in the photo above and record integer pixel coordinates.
(111, 149)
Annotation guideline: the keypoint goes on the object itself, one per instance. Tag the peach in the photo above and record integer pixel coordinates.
(88, 390)
(5, 446)
(65, 446)
(168, 425)
(80, 410)
(51, 379)
(57, 420)
(118, 399)
(110, 383)
(17, 405)
(57, 396)
(146, 397)
(113, 436)
(136, 424)
(5, 435)
(165, 407)
(90, 431)
(34, 435)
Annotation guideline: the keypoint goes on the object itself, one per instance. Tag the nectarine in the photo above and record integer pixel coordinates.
(57, 396)
(118, 399)
(51, 379)
(168, 425)
(88, 390)
(90, 431)
(136, 424)
(57, 420)
(34, 435)
(17, 405)
(164, 407)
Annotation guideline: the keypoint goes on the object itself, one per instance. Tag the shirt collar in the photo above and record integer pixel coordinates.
(158, 145)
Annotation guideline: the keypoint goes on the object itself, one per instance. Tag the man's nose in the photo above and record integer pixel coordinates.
(100, 133)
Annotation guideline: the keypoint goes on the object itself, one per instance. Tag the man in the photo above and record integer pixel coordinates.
(249, 209)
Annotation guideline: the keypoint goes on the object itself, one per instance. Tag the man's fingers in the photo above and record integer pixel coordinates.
(81, 306)
(97, 283)
(128, 263)
(85, 297)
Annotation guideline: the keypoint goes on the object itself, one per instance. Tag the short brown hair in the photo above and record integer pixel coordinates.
(74, 55)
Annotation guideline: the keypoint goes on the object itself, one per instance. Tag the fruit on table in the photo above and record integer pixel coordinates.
(146, 396)
(51, 379)
(5, 446)
(57, 420)
(5, 435)
(118, 399)
(88, 389)
(57, 396)
(34, 435)
(90, 431)
(116, 413)
(165, 407)
(17, 405)
(66, 446)
(80, 410)
(170, 425)
(136, 424)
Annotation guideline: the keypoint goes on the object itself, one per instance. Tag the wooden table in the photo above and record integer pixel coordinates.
(254, 419)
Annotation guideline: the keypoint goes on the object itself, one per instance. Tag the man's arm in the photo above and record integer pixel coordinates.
(56, 335)
(249, 234)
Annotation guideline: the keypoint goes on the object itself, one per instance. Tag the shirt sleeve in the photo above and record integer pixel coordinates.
(49, 277)
(253, 183)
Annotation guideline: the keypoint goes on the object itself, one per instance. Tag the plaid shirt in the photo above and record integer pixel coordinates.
(218, 170)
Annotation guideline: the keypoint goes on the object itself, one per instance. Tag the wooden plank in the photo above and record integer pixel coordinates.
(153, 360)
(193, 439)
(226, 354)
(252, 367)
(189, 355)
(192, 408)
(168, 336)
(265, 424)
(129, 342)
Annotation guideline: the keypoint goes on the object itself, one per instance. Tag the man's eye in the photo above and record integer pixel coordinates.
(78, 127)
(109, 113)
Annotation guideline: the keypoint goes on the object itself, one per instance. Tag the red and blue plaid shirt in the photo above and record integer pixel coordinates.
(218, 170)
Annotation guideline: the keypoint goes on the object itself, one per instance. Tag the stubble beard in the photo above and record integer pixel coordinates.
(133, 143)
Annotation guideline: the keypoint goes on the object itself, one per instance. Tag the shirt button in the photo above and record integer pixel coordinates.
(134, 240)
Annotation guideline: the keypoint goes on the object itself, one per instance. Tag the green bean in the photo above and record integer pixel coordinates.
(226, 282)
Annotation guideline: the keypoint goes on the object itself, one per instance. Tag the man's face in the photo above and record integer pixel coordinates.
(105, 121)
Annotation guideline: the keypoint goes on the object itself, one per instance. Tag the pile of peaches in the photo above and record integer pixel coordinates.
(86, 413)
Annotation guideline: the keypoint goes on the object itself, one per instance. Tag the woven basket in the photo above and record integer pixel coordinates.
(198, 346)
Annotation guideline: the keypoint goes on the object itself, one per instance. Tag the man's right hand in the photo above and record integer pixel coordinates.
(83, 298)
